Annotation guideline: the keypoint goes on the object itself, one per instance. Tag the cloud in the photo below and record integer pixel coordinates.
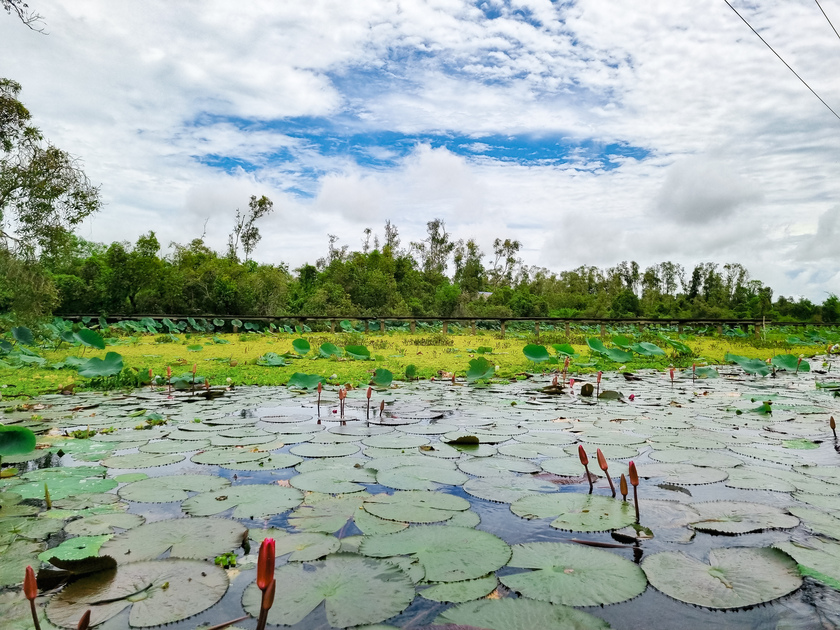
(824, 243)
(700, 189)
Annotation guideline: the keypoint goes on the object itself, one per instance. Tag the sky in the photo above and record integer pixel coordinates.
(592, 132)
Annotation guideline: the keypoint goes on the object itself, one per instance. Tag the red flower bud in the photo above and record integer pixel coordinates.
(30, 585)
(369, 392)
(599, 376)
(268, 595)
(584, 459)
(622, 484)
(602, 461)
(84, 622)
(319, 387)
(634, 475)
(265, 564)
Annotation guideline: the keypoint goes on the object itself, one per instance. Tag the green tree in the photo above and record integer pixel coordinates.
(244, 231)
(43, 190)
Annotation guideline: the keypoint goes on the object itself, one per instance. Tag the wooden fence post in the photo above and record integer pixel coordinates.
(412, 326)
(472, 328)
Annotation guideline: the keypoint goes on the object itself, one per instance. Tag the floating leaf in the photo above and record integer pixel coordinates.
(16, 556)
(790, 363)
(415, 506)
(750, 366)
(566, 573)
(739, 517)
(302, 547)
(197, 538)
(159, 592)
(356, 591)
(172, 488)
(448, 554)
(12, 528)
(817, 558)
(76, 548)
(519, 614)
(464, 591)
(578, 512)
(733, 578)
(419, 477)
(98, 524)
(249, 501)
(683, 474)
(507, 488)
(333, 480)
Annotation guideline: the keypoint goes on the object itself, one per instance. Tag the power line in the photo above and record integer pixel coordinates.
(836, 115)
(827, 20)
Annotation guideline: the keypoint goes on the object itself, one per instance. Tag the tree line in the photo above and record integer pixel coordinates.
(46, 269)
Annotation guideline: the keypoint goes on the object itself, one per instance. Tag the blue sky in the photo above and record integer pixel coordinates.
(593, 132)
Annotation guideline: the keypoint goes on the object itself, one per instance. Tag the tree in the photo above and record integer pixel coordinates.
(244, 230)
(21, 10)
(501, 271)
(43, 190)
(435, 249)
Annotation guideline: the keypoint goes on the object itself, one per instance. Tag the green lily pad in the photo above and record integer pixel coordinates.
(250, 501)
(142, 460)
(334, 480)
(507, 488)
(459, 592)
(531, 450)
(355, 590)
(396, 440)
(419, 477)
(12, 529)
(183, 537)
(16, 557)
(489, 466)
(696, 457)
(173, 488)
(76, 548)
(578, 512)
(733, 578)
(16, 441)
(740, 517)
(566, 573)
(10, 506)
(682, 474)
(817, 558)
(800, 444)
(448, 554)
(415, 506)
(227, 457)
(302, 547)
(62, 487)
(519, 614)
(97, 524)
(158, 592)
(817, 521)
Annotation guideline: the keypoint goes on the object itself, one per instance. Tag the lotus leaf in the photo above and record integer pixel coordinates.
(566, 573)
(790, 363)
(480, 369)
(519, 614)
(16, 440)
(750, 366)
(737, 517)
(464, 591)
(97, 524)
(96, 367)
(159, 592)
(578, 512)
(329, 350)
(360, 353)
(196, 538)
(62, 487)
(302, 547)
(536, 353)
(419, 477)
(356, 591)
(271, 359)
(174, 488)
(301, 346)
(249, 501)
(448, 554)
(76, 548)
(564, 349)
(395, 440)
(382, 377)
(23, 335)
(415, 506)
(647, 349)
(733, 578)
(299, 380)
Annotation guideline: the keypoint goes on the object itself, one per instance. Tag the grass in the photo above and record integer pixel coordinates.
(434, 355)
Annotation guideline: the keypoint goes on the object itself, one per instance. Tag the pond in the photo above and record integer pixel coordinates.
(456, 504)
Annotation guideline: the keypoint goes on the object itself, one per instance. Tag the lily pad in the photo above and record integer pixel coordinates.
(334, 480)
(739, 517)
(448, 554)
(171, 488)
(158, 592)
(325, 513)
(298, 380)
(733, 578)
(416, 506)
(182, 537)
(578, 512)
(76, 548)
(250, 501)
(12, 529)
(489, 466)
(419, 477)
(302, 547)
(324, 450)
(355, 590)
(519, 614)
(16, 556)
(507, 488)
(682, 474)
(464, 591)
(97, 524)
(566, 573)
(817, 558)
(142, 460)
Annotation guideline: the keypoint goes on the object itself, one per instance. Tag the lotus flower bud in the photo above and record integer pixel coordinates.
(319, 387)
(84, 621)
(268, 595)
(265, 564)
(599, 376)
(369, 392)
(602, 461)
(622, 484)
(30, 585)
(634, 475)
(584, 458)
